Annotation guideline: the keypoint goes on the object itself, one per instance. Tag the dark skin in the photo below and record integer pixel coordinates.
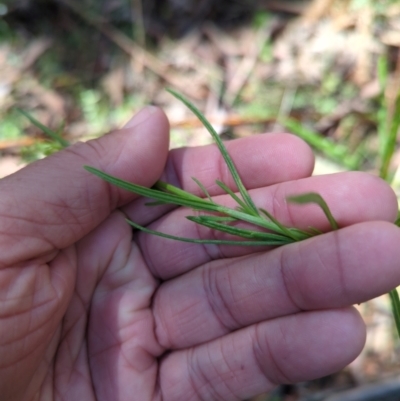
(91, 311)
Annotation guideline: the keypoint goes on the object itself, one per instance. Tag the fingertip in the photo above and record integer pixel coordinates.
(141, 116)
(298, 153)
(374, 197)
(316, 344)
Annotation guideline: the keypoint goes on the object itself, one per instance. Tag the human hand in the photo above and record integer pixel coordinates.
(90, 311)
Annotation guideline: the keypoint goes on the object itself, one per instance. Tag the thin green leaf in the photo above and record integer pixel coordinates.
(389, 141)
(181, 198)
(210, 222)
(331, 149)
(50, 133)
(281, 226)
(169, 188)
(313, 197)
(224, 187)
(229, 162)
(156, 203)
(189, 200)
(205, 241)
(203, 189)
(395, 301)
(397, 222)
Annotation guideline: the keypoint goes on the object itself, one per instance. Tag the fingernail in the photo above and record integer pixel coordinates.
(143, 115)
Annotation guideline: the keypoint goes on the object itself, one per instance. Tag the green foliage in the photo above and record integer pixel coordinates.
(332, 150)
(223, 218)
(50, 133)
(269, 231)
(10, 126)
(317, 199)
(388, 122)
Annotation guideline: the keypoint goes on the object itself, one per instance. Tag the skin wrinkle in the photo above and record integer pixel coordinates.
(340, 266)
(284, 268)
(260, 353)
(210, 295)
(226, 306)
(93, 146)
(215, 364)
(203, 377)
(195, 374)
(160, 325)
(30, 329)
(24, 355)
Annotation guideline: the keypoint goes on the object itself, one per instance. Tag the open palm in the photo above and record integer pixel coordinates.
(91, 311)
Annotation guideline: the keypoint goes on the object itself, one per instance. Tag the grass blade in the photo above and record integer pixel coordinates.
(395, 301)
(389, 140)
(284, 229)
(203, 189)
(251, 208)
(188, 200)
(50, 133)
(334, 151)
(317, 199)
(204, 241)
(210, 222)
(232, 194)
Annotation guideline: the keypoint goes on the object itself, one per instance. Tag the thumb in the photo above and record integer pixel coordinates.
(54, 202)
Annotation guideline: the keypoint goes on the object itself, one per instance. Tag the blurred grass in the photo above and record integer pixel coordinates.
(75, 69)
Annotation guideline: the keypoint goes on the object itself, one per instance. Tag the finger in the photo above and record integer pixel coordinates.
(52, 203)
(251, 361)
(260, 159)
(352, 197)
(333, 270)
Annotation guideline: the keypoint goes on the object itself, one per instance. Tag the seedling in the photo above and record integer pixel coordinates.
(267, 230)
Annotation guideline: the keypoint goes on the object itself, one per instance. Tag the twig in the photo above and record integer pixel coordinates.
(17, 143)
(246, 66)
(134, 50)
(227, 121)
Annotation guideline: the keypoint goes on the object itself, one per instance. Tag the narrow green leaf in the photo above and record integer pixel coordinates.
(317, 199)
(395, 301)
(50, 133)
(203, 189)
(172, 189)
(229, 162)
(205, 241)
(224, 187)
(284, 229)
(331, 149)
(397, 222)
(210, 222)
(156, 203)
(190, 200)
(183, 199)
(389, 141)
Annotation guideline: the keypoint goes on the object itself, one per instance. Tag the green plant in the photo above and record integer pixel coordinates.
(267, 231)
(388, 127)
(223, 217)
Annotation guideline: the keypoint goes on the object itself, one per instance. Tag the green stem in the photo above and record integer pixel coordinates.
(395, 300)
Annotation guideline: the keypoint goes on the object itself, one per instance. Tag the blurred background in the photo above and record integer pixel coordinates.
(326, 70)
